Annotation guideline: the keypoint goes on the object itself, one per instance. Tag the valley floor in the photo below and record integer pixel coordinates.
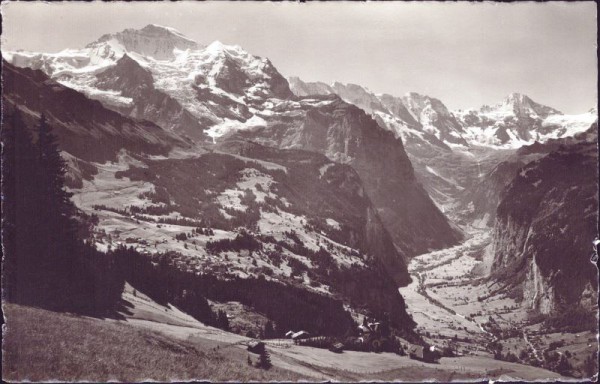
(455, 306)
(441, 298)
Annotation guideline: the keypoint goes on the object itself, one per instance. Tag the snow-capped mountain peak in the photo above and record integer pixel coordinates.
(219, 47)
(415, 95)
(518, 105)
(161, 29)
(515, 121)
(153, 41)
(516, 97)
(417, 104)
(515, 101)
(217, 52)
(518, 120)
(301, 88)
(435, 117)
(207, 84)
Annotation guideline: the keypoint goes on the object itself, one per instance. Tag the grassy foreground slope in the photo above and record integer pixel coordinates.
(161, 343)
(41, 345)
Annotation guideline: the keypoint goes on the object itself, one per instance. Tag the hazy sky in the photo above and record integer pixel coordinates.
(465, 54)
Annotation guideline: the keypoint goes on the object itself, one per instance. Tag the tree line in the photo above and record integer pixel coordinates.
(47, 263)
(50, 261)
(289, 307)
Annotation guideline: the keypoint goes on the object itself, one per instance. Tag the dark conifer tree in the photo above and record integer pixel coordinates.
(52, 171)
(264, 360)
(269, 331)
(18, 207)
(222, 320)
(66, 280)
(45, 263)
(564, 366)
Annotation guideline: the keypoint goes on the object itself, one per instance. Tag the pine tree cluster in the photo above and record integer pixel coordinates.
(45, 264)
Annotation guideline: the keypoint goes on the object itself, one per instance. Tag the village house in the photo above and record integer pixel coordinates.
(426, 354)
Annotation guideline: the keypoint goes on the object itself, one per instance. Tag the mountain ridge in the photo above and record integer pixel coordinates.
(498, 126)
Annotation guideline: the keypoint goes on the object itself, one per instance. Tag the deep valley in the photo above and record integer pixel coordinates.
(208, 205)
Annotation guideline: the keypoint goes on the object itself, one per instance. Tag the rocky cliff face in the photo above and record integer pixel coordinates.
(545, 225)
(538, 291)
(481, 200)
(348, 135)
(435, 118)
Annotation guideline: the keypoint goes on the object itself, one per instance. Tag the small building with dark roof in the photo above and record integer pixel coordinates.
(426, 354)
(337, 348)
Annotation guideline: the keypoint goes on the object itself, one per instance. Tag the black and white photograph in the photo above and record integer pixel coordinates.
(344, 191)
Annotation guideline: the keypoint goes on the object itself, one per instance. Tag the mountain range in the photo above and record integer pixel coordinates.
(449, 150)
(337, 186)
(515, 121)
(208, 93)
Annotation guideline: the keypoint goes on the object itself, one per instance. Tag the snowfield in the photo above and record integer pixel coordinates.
(229, 125)
(572, 124)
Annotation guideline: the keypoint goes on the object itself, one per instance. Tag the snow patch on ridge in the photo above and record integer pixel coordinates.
(228, 125)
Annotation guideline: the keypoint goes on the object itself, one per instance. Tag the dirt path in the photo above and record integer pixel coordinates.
(535, 351)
